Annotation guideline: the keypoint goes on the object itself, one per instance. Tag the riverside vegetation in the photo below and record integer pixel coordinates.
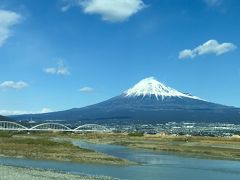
(195, 146)
(48, 146)
(43, 146)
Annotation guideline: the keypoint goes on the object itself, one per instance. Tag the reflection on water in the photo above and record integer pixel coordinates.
(154, 165)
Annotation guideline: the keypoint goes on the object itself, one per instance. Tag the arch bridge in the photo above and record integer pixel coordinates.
(91, 128)
(50, 127)
(8, 126)
(13, 126)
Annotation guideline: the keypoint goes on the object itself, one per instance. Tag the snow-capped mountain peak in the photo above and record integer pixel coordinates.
(151, 87)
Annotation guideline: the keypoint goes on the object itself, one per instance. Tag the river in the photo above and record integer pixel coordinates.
(154, 165)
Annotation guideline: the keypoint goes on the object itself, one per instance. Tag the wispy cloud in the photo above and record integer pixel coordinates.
(45, 110)
(13, 85)
(213, 3)
(60, 69)
(86, 89)
(13, 112)
(109, 10)
(7, 20)
(209, 47)
(19, 112)
(66, 7)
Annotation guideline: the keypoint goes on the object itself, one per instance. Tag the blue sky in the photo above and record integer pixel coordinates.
(61, 54)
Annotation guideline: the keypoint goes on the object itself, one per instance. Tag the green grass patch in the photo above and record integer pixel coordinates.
(5, 134)
(136, 134)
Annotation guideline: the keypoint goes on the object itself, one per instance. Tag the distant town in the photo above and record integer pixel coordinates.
(170, 128)
(183, 128)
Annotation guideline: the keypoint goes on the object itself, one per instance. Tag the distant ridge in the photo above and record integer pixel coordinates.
(3, 118)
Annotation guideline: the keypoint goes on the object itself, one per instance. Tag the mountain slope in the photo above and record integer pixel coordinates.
(148, 101)
(3, 118)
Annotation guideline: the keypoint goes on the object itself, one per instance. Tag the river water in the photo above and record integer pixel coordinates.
(154, 166)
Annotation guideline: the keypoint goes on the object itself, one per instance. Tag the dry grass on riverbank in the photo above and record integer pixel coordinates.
(208, 147)
(45, 148)
(196, 146)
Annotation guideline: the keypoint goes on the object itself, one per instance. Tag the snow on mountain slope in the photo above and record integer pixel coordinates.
(151, 87)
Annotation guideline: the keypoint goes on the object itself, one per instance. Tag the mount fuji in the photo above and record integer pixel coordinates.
(149, 101)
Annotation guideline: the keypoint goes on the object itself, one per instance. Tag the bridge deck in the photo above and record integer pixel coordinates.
(13, 126)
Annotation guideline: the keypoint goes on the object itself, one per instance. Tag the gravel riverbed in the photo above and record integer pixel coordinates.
(16, 173)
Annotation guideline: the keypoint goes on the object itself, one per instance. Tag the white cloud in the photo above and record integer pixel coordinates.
(5, 112)
(209, 47)
(109, 10)
(13, 85)
(19, 112)
(86, 89)
(186, 53)
(59, 70)
(7, 20)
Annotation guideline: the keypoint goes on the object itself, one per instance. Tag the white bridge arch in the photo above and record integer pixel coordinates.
(12, 126)
(8, 125)
(50, 127)
(91, 128)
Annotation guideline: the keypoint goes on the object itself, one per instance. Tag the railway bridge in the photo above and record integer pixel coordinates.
(13, 126)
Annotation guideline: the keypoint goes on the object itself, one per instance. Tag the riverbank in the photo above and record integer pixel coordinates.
(13, 173)
(154, 164)
(195, 146)
(46, 148)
